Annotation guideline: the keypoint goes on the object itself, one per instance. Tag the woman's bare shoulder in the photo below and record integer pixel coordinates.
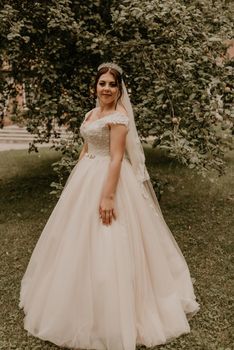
(91, 111)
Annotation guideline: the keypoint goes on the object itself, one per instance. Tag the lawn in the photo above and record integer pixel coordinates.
(198, 210)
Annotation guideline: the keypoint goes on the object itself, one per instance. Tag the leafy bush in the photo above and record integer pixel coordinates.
(173, 55)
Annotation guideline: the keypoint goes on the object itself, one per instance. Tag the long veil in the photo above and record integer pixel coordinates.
(136, 154)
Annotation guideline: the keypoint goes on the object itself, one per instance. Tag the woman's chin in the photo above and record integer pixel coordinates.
(106, 100)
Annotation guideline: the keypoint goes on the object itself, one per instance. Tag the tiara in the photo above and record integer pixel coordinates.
(111, 65)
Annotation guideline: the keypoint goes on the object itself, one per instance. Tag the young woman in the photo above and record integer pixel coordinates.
(106, 272)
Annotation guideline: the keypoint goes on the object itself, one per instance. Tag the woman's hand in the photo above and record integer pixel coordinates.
(107, 210)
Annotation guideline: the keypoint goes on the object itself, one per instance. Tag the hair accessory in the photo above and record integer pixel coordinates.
(111, 65)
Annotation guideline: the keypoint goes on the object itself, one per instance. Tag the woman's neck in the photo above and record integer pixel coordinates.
(104, 108)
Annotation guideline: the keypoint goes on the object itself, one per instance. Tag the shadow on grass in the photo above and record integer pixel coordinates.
(25, 181)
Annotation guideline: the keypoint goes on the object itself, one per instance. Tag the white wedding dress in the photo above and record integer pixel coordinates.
(91, 286)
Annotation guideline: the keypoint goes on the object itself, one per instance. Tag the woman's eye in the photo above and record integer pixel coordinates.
(102, 83)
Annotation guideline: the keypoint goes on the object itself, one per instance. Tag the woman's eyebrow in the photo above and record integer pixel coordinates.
(104, 81)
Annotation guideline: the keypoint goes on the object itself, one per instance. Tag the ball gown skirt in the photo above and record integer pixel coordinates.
(91, 286)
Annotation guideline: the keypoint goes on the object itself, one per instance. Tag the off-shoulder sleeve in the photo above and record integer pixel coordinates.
(117, 119)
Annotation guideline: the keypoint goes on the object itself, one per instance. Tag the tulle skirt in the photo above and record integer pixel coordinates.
(91, 286)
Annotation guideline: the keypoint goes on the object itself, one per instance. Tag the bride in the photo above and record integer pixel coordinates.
(106, 272)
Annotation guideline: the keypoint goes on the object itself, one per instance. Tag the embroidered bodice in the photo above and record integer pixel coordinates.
(97, 133)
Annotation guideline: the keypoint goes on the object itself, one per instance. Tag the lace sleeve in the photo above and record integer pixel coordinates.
(117, 119)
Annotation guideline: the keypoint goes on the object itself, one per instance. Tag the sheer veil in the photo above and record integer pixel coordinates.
(136, 154)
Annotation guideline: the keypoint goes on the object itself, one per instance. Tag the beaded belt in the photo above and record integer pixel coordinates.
(91, 155)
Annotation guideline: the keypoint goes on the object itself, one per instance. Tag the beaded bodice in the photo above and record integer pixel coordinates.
(97, 133)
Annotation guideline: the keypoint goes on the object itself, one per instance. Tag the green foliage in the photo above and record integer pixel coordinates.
(170, 51)
(180, 87)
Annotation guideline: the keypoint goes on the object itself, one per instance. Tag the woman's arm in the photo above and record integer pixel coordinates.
(117, 147)
(83, 151)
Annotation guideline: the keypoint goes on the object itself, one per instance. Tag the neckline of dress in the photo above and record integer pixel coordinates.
(85, 123)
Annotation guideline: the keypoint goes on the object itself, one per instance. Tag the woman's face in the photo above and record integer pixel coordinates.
(107, 89)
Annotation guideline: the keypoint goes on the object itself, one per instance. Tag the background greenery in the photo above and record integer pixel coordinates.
(199, 213)
(172, 53)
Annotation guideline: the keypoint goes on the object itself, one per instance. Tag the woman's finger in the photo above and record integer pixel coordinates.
(108, 217)
(104, 217)
(114, 214)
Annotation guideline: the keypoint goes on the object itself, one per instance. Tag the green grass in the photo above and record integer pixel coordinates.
(198, 211)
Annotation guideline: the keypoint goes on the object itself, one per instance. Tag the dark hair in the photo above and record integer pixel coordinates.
(117, 76)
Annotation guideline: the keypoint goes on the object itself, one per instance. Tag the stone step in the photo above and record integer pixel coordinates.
(16, 134)
(17, 146)
(18, 130)
(14, 140)
(22, 135)
(10, 129)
